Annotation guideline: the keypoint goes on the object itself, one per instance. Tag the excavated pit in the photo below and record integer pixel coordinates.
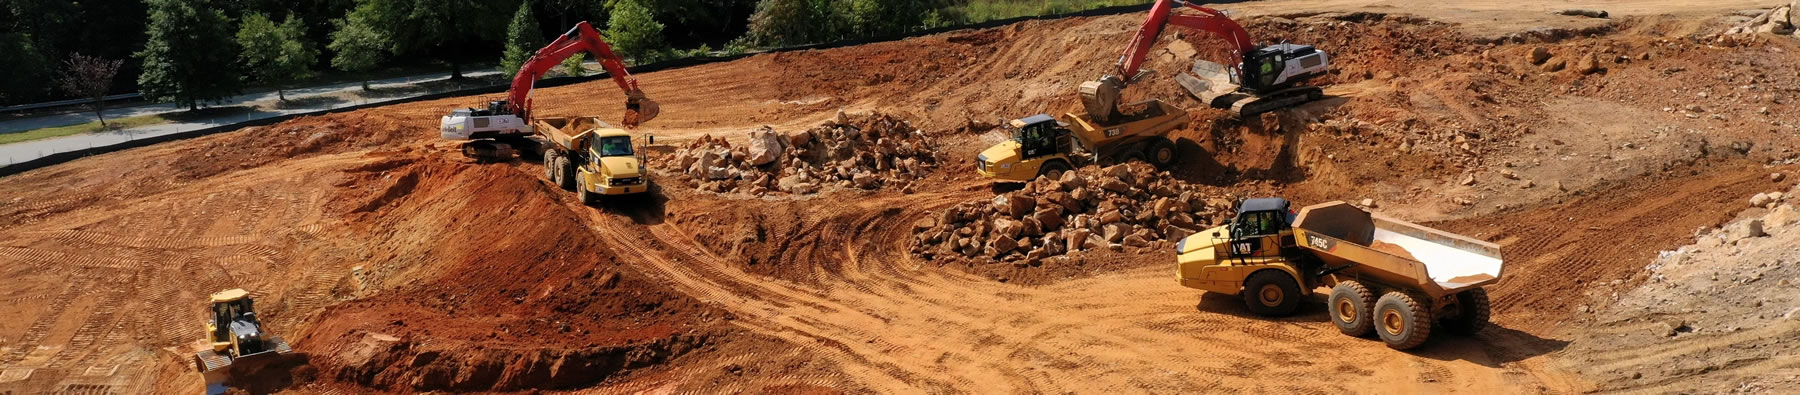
(401, 267)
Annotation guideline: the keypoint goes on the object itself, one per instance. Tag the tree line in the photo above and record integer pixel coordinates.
(197, 51)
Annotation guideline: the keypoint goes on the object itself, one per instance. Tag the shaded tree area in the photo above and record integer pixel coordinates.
(365, 38)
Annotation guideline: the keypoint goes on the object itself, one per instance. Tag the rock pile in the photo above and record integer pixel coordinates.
(865, 151)
(1129, 205)
(1780, 20)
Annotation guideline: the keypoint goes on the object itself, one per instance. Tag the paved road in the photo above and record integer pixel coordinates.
(81, 117)
(28, 150)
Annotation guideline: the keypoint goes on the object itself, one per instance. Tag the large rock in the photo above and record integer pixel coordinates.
(1003, 244)
(1070, 180)
(1014, 204)
(1007, 227)
(1050, 218)
(1115, 232)
(1781, 217)
(1555, 65)
(1760, 200)
(1114, 184)
(1135, 241)
(1076, 239)
(1587, 64)
(1111, 216)
(1538, 55)
(765, 146)
(1744, 230)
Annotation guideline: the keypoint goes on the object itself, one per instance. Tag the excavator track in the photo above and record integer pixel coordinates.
(1252, 106)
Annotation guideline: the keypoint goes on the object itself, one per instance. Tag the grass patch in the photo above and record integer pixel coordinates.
(977, 11)
(117, 124)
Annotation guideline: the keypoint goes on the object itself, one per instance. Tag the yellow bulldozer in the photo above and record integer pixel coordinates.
(238, 342)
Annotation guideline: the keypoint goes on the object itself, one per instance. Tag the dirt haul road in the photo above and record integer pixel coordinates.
(398, 266)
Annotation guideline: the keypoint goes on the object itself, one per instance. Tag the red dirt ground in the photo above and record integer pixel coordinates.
(399, 266)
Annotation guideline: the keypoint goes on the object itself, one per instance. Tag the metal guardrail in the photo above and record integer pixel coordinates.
(70, 102)
(57, 158)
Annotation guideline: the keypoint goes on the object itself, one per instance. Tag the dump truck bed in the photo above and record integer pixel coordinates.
(562, 131)
(1394, 252)
(1153, 118)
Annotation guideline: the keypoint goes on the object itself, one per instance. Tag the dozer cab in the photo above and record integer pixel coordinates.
(239, 343)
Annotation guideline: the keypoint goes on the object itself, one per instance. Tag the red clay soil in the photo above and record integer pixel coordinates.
(400, 267)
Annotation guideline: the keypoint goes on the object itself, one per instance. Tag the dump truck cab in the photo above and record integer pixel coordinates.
(1036, 141)
(1273, 257)
(612, 166)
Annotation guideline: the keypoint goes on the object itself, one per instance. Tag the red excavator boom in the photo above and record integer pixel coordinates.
(581, 38)
(1163, 14)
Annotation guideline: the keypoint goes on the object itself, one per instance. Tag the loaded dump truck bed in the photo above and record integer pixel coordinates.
(1437, 262)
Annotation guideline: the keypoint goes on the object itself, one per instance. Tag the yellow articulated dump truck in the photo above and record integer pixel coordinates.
(591, 157)
(1398, 279)
(1045, 146)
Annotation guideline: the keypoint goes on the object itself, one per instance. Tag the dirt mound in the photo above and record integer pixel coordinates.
(866, 151)
(305, 136)
(1131, 205)
(545, 306)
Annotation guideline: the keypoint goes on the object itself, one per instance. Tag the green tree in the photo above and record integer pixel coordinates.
(572, 66)
(189, 56)
(795, 22)
(448, 28)
(22, 75)
(523, 38)
(359, 46)
(634, 31)
(276, 54)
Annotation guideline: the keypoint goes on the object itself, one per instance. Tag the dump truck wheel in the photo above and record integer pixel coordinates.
(582, 194)
(1271, 293)
(565, 173)
(1474, 316)
(1352, 308)
(1053, 170)
(550, 166)
(1161, 153)
(1401, 321)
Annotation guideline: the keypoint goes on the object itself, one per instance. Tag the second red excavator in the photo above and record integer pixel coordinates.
(492, 133)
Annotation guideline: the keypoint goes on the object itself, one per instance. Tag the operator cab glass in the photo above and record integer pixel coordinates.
(1258, 222)
(613, 146)
(1036, 136)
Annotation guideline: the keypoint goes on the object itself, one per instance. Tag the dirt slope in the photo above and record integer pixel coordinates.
(402, 267)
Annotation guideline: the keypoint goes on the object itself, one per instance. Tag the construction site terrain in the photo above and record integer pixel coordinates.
(1614, 160)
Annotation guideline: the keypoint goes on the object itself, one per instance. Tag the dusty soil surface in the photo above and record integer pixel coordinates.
(399, 266)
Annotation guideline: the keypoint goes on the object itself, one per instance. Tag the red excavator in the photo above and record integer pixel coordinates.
(494, 131)
(1253, 80)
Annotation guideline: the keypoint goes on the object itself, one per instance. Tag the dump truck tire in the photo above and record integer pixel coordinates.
(1161, 153)
(582, 194)
(1474, 316)
(1271, 293)
(1053, 170)
(550, 166)
(1402, 321)
(565, 173)
(1352, 308)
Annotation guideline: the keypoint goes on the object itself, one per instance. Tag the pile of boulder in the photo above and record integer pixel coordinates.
(1781, 20)
(867, 151)
(1122, 206)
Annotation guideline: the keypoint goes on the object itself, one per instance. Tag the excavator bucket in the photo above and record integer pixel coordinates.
(1208, 81)
(639, 110)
